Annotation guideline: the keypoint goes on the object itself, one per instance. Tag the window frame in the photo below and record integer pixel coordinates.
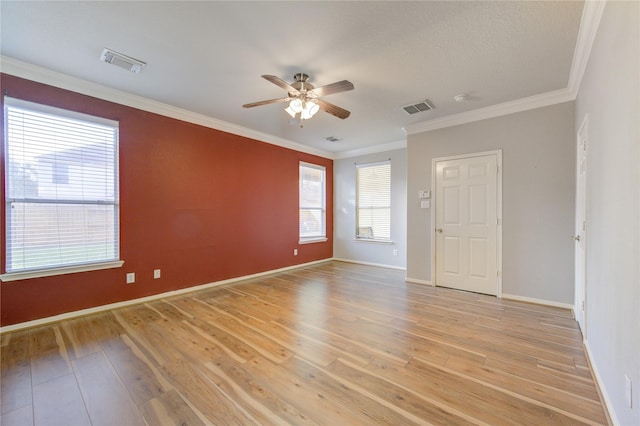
(323, 209)
(358, 235)
(58, 269)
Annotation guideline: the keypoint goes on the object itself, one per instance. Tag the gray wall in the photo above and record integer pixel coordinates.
(345, 246)
(610, 96)
(538, 152)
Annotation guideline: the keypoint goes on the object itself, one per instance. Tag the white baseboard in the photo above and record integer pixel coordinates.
(381, 265)
(601, 389)
(417, 281)
(537, 301)
(102, 308)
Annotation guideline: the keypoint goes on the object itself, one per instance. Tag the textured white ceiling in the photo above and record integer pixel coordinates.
(207, 57)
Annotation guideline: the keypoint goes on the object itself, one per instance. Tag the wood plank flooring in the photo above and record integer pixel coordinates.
(331, 344)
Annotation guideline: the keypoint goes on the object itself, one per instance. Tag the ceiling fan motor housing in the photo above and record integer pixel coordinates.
(300, 83)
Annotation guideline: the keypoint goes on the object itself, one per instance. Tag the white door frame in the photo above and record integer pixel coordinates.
(498, 155)
(580, 230)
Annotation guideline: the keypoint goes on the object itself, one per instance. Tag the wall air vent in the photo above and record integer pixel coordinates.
(123, 61)
(418, 107)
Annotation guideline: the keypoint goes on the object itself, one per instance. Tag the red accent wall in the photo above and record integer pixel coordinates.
(200, 204)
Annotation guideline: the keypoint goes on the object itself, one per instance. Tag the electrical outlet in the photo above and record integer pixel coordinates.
(131, 277)
(156, 274)
(628, 391)
(395, 252)
(295, 252)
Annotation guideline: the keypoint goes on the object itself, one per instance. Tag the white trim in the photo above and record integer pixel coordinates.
(372, 164)
(537, 301)
(608, 405)
(313, 240)
(24, 275)
(498, 154)
(38, 74)
(417, 281)
(492, 111)
(102, 308)
(371, 150)
(380, 265)
(66, 113)
(373, 240)
(591, 15)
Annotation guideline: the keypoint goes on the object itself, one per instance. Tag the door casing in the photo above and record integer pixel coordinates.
(580, 285)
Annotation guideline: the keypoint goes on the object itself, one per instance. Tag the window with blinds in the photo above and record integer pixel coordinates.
(373, 201)
(61, 180)
(312, 202)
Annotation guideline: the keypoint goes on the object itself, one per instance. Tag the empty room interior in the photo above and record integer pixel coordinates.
(320, 212)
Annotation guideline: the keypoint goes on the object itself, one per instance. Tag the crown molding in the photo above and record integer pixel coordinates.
(371, 150)
(519, 105)
(591, 15)
(38, 74)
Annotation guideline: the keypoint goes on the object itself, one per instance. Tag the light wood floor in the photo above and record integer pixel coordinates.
(333, 344)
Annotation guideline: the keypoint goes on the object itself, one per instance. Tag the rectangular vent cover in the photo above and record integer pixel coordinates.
(419, 107)
(123, 61)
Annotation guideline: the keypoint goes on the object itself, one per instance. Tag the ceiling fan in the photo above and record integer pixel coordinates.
(304, 99)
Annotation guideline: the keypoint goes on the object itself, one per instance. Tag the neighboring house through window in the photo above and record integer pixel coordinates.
(312, 216)
(373, 201)
(61, 197)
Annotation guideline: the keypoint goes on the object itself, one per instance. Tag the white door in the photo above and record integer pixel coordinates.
(466, 223)
(580, 229)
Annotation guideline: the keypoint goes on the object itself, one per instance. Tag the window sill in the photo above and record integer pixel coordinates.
(373, 241)
(40, 273)
(313, 240)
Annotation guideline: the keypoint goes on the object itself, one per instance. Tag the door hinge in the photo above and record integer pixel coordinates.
(583, 306)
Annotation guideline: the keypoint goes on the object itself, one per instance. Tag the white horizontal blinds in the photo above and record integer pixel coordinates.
(312, 201)
(374, 201)
(61, 188)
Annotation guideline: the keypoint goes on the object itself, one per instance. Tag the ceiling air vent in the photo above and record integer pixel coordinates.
(123, 61)
(333, 139)
(419, 107)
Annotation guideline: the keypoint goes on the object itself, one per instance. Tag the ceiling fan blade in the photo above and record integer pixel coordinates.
(280, 82)
(329, 89)
(333, 109)
(269, 101)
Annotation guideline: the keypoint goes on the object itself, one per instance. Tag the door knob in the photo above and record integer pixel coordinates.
(439, 230)
(575, 237)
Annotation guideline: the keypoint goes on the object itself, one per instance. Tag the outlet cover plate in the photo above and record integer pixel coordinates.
(131, 277)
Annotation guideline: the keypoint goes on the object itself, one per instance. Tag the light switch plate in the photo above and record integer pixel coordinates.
(425, 204)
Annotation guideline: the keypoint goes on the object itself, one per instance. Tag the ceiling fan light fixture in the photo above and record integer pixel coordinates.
(290, 111)
(296, 105)
(311, 108)
(303, 97)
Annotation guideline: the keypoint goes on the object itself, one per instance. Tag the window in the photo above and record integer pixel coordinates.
(373, 198)
(312, 203)
(61, 198)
